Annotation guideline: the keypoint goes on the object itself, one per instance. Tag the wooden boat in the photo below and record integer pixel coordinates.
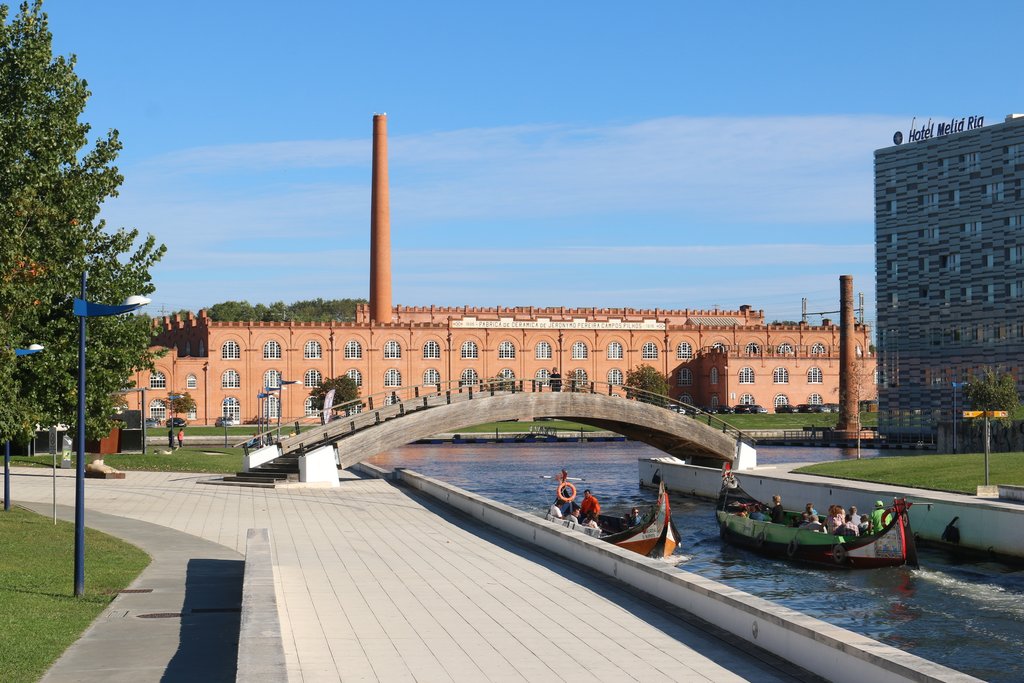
(891, 547)
(655, 536)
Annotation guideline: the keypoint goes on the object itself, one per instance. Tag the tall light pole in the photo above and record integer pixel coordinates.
(86, 309)
(34, 348)
(956, 385)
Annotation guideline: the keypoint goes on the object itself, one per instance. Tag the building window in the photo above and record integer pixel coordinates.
(781, 400)
(271, 407)
(432, 350)
(580, 351)
(714, 376)
(817, 349)
(272, 379)
(685, 377)
(469, 378)
(579, 377)
(780, 376)
(392, 378)
(191, 414)
(353, 350)
(814, 376)
(188, 349)
(649, 351)
(157, 410)
(994, 192)
(814, 399)
(753, 349)
(684, 351)
(542, 376)
(746, 376)
(615, 351)
(202, 349)
(686, 398)
(470, 350)
(972, 162)
(309, 408)
(954, 198)
(392, 350)
(356, 376)
(312, 379)
(972, 228)
(785, 349)
(157, 380)
(893, 207)
(720, 347)
(191, 382)
(714, 401)
(506, 373)
(615, 377)
(271, 350)
(1014, 154)
(506, 350)
(543, 351)
(747, 400)
(230, 380)
(230, 407)
(312, 350)
(431, 376)
(230, 351)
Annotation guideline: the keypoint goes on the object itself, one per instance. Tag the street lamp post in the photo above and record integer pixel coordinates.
(956, 385)
(34, 348)
(261, 398)
(86, 309)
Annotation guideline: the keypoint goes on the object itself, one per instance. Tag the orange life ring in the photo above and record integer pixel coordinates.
(562, 487)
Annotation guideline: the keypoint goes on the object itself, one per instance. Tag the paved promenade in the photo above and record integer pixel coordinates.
(373, 583)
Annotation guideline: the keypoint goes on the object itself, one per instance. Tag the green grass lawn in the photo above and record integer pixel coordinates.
(202, 459)
(961, 473)
(792, 421)
(39, 615)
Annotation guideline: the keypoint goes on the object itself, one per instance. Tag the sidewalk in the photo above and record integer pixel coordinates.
(372, 583)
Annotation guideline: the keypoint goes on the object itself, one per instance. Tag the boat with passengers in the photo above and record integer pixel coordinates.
(892, 546)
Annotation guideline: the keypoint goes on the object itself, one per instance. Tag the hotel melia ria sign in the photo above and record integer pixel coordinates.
(937, 129)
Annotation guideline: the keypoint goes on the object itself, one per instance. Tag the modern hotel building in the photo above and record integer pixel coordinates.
(949, 260)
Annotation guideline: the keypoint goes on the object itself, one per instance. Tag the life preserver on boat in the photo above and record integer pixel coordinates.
(839, 553)
(792, 548)
(566, 491)
(759, 539)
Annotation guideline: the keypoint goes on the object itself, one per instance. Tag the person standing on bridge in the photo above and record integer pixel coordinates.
(555, 378)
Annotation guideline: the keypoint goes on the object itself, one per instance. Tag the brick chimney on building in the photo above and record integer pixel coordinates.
(380, 226)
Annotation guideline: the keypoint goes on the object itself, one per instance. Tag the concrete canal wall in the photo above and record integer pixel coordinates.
(985, 525)
(828, 651)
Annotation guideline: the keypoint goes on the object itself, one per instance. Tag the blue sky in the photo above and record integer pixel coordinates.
(664, 154)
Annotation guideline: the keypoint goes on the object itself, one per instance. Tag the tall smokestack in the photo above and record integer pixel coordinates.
(380, 226)
(849, 415)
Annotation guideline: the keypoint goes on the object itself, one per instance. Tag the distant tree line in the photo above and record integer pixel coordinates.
(313, 310)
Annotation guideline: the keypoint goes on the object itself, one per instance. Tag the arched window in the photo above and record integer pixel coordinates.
(230, 380)
(814, 376)
(470, 350)
(230, 351)
(506, 373)
(817, 349)
(191, 382)
(392, 378)
(392, 350)
(580, 351)
(753, 349)
(309, 408)
(432, 350)
(814, 399)
(780, 376)
(719, 346)
(191, 415)
(271, 407)
(615, 377)
(312, 350)
(686, 398)
(157, 380)
(431, 376)
(746, 400)
(353, 350)
(579, 376)
(714, 401)
(747, 376)
(202, 349)
(684, 351)
(649, 351)
(271, 350)
(230, 407)
(714, 375)
(785, 349)
(188, 349)
(272, 379)
(356, 376)
(781, 400)
(685, 377)
(543, 351)
(157, 410)
(469, 378)
(506, 350)
(542, 376)
(615, 351)
(312, 379)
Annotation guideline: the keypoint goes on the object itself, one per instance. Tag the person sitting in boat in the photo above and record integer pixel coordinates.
(812, 524)
(809, 509)
(555, 510)
(590, 505)
(836, 518)
(778, 513)
(591, 521)
(876, 517)
(632, 518)
(757, 513)
(850, 529)
(570, 515)
(853, 516)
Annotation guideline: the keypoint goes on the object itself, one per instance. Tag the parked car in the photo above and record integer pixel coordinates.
(741, 409)
(720, 410)
(757, 409)
(784, 408)
(152, 422)
(177, 422)
(830, 408)
(809, 408)
(225, 422)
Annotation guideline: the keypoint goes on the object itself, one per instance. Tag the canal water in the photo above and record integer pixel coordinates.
(968, 616)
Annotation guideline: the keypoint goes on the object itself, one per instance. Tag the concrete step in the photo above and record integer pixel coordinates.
(232, 481)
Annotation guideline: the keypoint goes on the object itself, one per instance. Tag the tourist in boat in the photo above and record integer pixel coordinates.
(812, 524)
(850, 529)
(853, 516)
(555, 511)
(633, 518)
(778, 513)
(876, 517)
(836, 518)
(757, 513)
(809, 509)
(590, 505)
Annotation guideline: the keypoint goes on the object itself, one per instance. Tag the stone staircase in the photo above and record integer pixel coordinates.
(268, 475)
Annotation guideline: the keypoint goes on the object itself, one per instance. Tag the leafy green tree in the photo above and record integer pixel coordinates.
(345, 390)
(181, 404)
(231, 311)
(51, 188)
(992, 390)
(648, 379)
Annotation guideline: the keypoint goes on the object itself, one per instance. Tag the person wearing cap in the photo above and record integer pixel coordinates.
(876, 517)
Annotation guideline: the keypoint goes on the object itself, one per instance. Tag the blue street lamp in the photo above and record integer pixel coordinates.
(34, 348)
(86, 309)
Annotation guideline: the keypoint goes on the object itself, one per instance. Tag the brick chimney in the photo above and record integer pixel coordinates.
(380, 226)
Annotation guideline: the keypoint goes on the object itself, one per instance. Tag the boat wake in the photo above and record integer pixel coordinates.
(988, 595)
